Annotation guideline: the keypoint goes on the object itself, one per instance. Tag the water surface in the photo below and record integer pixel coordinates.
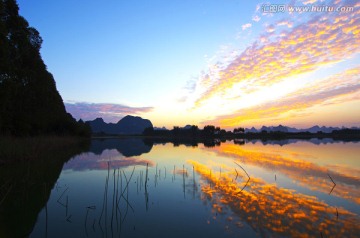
(132, 188)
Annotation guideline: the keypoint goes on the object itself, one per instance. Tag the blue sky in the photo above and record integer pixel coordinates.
(170, 61)
(114, 51)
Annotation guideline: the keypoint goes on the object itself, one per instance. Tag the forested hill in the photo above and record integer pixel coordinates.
(29, 101)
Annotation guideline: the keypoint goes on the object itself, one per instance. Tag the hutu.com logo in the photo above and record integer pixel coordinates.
(275, 8)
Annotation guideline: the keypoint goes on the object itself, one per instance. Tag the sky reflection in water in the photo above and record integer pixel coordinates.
(197, 191)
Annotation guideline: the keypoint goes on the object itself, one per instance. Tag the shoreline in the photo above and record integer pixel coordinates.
(246, 136)
(18, 149)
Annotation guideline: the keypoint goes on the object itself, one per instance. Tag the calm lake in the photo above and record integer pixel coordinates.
(132, 188)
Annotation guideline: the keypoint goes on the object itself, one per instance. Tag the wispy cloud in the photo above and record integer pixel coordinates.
(190, 86)
(336, 89)
(256, 18)
(270, 28)
(279, 55)
(285, 23)
(246, 26)
(306, 2)
(108, 111)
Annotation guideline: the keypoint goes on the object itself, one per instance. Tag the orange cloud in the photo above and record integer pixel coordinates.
(335, 89)
(279, 56)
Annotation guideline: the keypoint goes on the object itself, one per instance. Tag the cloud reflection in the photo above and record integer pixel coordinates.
(273, 211)
(307, 174)
(91, 161)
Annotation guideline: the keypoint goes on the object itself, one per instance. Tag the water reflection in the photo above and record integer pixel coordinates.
(121, 153)
(25, 188)
(241, 141)
(305, 173)
(273, 211)
(221, 191)
(90, 161)
(127, 147)
(315, 141)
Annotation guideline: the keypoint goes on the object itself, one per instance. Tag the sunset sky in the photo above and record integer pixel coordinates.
(227, 63)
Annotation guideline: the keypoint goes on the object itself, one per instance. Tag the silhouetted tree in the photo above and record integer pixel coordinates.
(209, 131)
(194, 130)
(149, 131)
(217, 131)
(222, 132)
(239, 130)
(83, 129)
(176, 131)
(30, 103)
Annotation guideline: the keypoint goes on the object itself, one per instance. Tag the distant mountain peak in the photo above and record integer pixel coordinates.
(281, 128)
(129, 117)
(128, 125)
(160, 128)
(99, 119)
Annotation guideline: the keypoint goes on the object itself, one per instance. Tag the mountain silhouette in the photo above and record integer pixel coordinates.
(129, 125)
(285, 129)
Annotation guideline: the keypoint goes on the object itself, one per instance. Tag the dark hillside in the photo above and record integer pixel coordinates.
(29, 101)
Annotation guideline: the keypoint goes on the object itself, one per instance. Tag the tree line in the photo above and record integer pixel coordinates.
(208, 131)
(213, 132)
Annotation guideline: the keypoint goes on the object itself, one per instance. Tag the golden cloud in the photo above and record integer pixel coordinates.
(337, 88)
(278, 56)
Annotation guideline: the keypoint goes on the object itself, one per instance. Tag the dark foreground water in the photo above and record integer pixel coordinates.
(128, 188)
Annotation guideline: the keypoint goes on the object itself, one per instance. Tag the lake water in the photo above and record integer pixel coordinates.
(128, 188)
